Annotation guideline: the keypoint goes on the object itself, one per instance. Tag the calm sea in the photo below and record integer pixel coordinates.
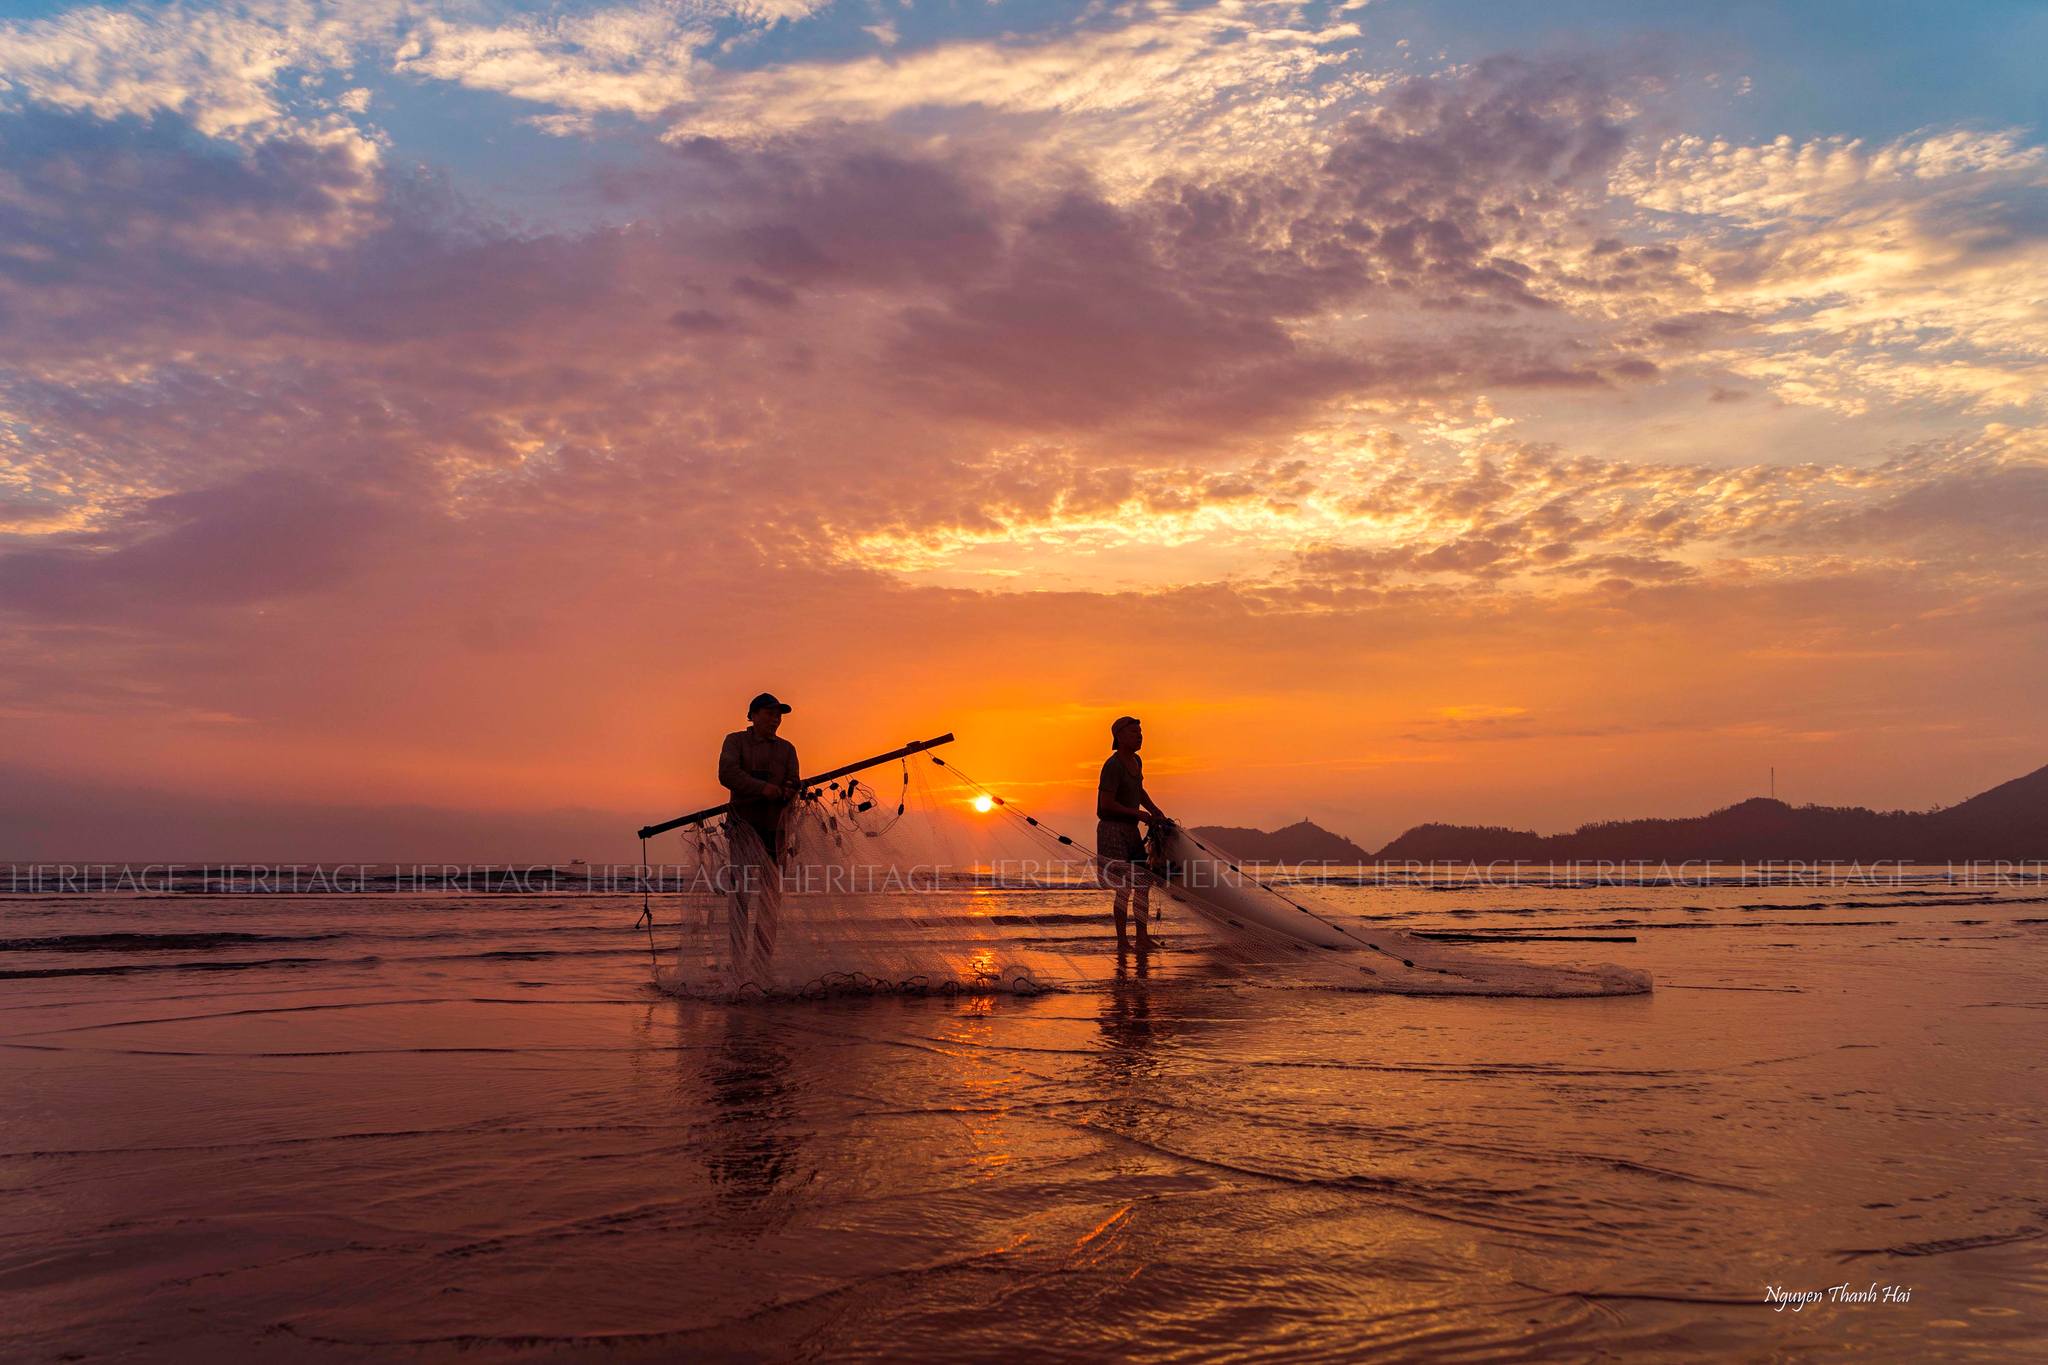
(435, 1125)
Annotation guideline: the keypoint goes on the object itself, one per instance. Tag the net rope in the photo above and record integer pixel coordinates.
(1220, 888)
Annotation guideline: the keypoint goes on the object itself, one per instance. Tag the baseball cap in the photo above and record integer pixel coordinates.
(768, 700)
(1117, 726)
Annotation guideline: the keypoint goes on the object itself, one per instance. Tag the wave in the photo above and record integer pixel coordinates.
(135, 968)
(144, 943)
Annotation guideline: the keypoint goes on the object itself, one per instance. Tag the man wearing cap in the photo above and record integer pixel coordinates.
(1121, 801)
(759, 768)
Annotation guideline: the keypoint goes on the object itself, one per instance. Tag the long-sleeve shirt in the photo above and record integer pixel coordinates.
(754, 770)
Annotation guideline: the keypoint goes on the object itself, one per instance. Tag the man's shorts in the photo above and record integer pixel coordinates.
(1119, 853)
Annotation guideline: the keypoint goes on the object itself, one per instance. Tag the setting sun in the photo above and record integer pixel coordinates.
(984, 803)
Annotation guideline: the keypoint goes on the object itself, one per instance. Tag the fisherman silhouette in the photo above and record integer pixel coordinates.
(1121, 801)
(760, 769)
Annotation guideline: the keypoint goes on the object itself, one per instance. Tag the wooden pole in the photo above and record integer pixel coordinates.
(697, 817)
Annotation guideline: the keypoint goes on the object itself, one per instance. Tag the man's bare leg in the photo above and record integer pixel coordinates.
(756, 901)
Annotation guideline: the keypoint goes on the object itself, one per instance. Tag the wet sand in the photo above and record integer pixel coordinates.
(444, 1127)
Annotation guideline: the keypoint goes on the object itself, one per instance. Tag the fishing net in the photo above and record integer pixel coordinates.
(905, 889)
(917, 879)
(1273, 925)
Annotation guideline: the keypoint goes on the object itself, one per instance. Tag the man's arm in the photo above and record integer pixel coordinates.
(1105, 804)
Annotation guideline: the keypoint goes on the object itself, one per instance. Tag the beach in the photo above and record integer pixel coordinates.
(439, 1126)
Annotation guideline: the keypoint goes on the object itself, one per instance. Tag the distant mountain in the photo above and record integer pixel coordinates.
(1301, 842)
(2012, 815)
(2009, 821)
(1436, 843)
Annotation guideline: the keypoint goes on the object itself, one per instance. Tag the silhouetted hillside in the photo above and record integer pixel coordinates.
(1434, 843)
(2011, 815)
(2009, 821)
(1301, 842)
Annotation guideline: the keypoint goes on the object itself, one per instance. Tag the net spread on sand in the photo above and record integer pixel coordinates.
(915, 879)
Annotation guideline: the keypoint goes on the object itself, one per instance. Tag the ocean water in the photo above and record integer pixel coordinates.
(439, 1126)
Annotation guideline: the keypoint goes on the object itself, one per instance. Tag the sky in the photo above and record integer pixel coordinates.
(422, 426)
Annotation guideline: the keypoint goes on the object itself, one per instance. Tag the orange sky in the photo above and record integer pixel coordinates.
(1487, 440)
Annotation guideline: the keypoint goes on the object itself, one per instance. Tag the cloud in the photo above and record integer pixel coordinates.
(262, 537)
(1433, 253)
(1876, 276)
(1524, 513)
(631, 60)
(255, 70)
(1219, 298)
(908, 376)
(221, 69)
(1815, 180)
(85, 197)
(1135, 91)
(773, 288)
(1202, 312)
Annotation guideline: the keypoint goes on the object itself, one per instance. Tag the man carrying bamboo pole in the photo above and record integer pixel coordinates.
(760, 769)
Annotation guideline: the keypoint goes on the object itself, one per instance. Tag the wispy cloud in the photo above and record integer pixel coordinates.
(225, 70)
(1135, 89)
(634, 60)
(1875, 276)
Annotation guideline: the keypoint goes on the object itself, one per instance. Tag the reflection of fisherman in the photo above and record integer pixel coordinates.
(1121, 801)
(759, 768)
(752, 1143)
